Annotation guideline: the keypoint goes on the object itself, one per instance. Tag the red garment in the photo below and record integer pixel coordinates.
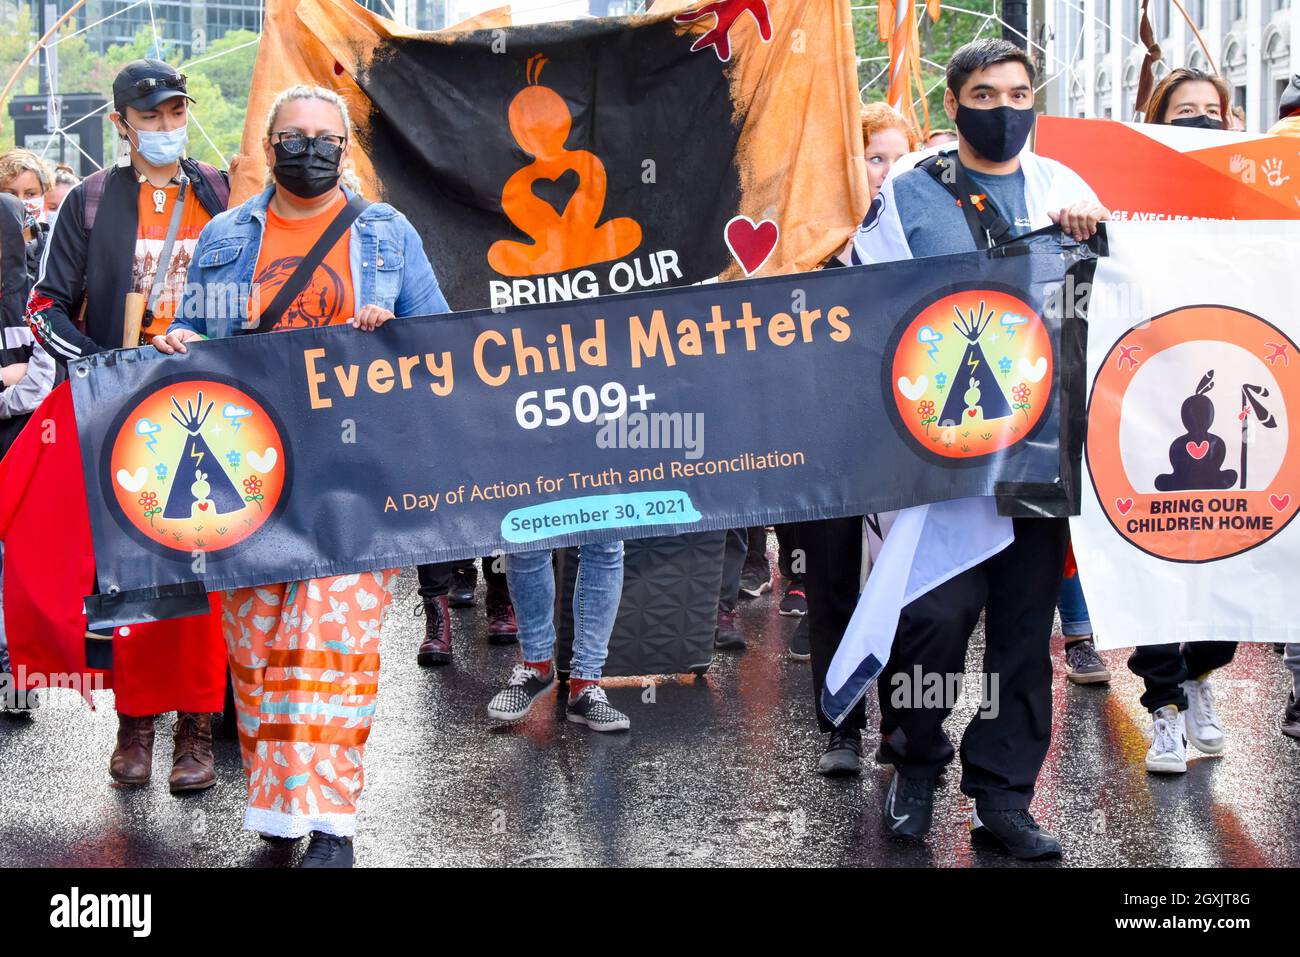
(1071, 566)
(49, 568)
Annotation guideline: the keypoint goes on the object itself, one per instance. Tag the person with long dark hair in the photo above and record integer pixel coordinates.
(1179, 694)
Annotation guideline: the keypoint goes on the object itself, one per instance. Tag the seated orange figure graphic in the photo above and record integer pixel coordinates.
(540, 123)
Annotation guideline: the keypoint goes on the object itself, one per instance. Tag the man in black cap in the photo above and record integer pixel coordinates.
(132, 228)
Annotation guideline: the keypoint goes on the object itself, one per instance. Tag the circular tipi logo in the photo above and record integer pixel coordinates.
(196, 465)
(1188, 434)
(972, 374)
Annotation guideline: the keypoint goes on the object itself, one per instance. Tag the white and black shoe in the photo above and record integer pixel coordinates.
(1083, 665)
(524, 687)
(756, 579)
(593, 709)
(1204, 730)
(1168, 751)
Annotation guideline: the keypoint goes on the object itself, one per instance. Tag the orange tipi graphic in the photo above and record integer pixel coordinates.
(571, 238)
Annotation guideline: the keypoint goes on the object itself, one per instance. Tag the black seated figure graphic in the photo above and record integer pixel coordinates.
(1196, 455)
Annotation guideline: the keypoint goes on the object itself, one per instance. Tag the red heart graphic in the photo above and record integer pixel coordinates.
(751, 243)
(1198, 450)
(203, 506)
(1279, 502)
(971, 413)
(1123, 504)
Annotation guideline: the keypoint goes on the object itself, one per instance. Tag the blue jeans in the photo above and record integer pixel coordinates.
(596, 594)
(1074, 610)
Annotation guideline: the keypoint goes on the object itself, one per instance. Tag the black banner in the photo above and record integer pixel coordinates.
(327, 451)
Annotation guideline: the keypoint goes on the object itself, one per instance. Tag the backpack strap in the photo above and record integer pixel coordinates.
(216, 182)
(986, 224)
(94, 186)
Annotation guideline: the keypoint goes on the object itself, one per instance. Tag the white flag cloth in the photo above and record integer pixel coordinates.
(927, 546)
(1185, 532)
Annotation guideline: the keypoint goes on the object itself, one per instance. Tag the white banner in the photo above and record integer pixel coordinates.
(1194, 379)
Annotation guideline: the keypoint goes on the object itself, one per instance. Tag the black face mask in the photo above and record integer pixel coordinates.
(1202, 122)
(997, 134)
(306, 174)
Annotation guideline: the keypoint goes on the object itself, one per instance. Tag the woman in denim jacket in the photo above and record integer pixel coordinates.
(304, 655)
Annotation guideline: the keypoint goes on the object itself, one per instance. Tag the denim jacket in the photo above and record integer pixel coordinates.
(389, 268)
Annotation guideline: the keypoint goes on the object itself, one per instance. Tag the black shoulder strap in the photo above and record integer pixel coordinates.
(302, 273)
(987, 226)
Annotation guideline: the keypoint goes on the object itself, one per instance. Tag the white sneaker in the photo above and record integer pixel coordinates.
(1168, 751)
(1203, 727)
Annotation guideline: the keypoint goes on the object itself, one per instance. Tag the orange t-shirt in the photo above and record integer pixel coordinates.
(327, 297)
(155, 214)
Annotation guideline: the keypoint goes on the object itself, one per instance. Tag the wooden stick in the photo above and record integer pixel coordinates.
(134, 319)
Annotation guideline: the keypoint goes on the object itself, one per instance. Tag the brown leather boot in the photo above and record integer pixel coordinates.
(436, 647)
(193, 768)
(132, 760)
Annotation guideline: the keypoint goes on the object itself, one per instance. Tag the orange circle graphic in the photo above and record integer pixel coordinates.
(197, 466)
(1188, 433)
(972, 373)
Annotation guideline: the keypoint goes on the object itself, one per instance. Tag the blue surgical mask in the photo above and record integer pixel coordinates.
(161, 148)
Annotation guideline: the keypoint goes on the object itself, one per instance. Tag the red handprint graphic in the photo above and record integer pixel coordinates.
(727, 12)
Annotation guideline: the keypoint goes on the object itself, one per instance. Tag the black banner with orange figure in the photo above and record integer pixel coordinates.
(567, 161)
(265, 458)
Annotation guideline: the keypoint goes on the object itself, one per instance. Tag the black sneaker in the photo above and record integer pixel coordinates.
(801, 641)
(463, 580)
(842, 755)
(756, 579)
(794, 603)
(327, 850)
(909, 803)
(525, 686)
(593, 709)
(727, 636)
(1082, 664)
(1015, 832)
(1291, 717)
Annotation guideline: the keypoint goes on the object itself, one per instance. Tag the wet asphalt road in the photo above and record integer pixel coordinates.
(716, 771)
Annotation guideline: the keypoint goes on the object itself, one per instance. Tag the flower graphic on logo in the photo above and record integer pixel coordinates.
(160, 470)
(940, 380)
(253, 491)
(233, 458)
(1021, 393)
(149, 502)
(926, 411)
(1004, 365)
